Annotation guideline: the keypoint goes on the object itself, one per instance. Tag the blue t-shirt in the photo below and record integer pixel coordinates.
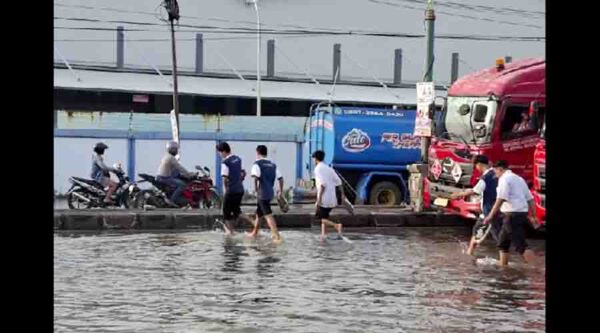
(232, 168)
(266, 172)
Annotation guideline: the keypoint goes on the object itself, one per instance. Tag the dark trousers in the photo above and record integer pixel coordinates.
(176, 184)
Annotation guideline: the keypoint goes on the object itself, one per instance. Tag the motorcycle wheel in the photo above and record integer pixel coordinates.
(147, 197)
(75, 202)
(213, 201)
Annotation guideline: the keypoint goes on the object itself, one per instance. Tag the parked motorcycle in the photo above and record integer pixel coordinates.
(199, 192)
(88, 193)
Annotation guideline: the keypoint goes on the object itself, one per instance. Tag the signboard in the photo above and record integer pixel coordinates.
(140, 98)
(425, 97)
(174, 128)
(175, 132)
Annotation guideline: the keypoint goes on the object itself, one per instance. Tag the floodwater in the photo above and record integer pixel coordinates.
(392, 280)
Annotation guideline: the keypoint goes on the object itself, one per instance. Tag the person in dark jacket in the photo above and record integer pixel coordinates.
(101, 171)
(486, 188)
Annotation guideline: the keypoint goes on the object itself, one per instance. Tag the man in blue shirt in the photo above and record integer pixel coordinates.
(233, 187)
(486, 188)
(265, 173)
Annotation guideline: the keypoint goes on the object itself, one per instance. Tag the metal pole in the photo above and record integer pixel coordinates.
(454, 69)
(175, 100)
(337, 60)
(428, 77)
(258, 104)
(271, 58)
(199, 54)
(398, 66)
(120, 47)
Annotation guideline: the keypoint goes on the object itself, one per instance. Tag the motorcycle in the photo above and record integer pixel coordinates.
(199, 192)
(88, 193)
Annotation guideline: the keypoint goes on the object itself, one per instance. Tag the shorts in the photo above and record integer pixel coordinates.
(494, 231)
(322, 212)
(512, 232)
(263, 208)
(232, 205)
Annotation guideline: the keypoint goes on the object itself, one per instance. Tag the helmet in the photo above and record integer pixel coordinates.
(172, 147)
(100, 147)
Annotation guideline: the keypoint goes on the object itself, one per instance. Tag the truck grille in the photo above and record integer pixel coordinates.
(446, 177)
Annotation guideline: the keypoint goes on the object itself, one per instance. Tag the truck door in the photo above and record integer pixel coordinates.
(518, 137)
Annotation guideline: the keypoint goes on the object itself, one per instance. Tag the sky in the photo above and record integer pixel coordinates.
(363, 57)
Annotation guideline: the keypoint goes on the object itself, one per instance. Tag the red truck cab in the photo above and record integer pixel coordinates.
(539, 177)
(487, 112)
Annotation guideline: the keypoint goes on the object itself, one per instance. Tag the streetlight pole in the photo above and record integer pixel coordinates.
(258, 104)
(173, 10)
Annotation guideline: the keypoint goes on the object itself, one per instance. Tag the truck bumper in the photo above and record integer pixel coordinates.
(466, 209)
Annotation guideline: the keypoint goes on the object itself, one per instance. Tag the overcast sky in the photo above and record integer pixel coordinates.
(363, 56)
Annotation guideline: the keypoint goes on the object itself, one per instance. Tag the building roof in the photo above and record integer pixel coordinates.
(113, 80)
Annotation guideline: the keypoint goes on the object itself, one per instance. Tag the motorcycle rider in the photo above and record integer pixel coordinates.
(101, 171)
(169, 171)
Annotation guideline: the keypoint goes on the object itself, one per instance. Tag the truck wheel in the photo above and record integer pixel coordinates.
(386, 194)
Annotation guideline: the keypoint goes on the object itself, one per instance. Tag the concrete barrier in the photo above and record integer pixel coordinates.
(188, 220)
(119, 220)
(82, 221)
(206, 219)
(155, 220)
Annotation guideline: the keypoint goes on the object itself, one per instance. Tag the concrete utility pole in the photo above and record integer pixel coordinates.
(428, 76)
(173, 10)
(418, 171)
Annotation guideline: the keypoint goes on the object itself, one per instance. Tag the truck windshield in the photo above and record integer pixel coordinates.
(469, 119)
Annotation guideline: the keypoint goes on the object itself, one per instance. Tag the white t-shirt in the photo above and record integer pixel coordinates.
(224, 167)
(514, 190)
(327, 177)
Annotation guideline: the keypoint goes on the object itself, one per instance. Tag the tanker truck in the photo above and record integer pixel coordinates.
(369, 148)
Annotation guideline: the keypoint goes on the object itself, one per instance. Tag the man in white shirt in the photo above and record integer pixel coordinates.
(515, 202)
(326, 180)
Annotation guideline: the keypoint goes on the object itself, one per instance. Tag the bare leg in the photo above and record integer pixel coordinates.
(336, 226)
(228, 226)
(256, 227)
(528, 256)
(472, 246)
(503, 259)
(274, 232)
(112, 187)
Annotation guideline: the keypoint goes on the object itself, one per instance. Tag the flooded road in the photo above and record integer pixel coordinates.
(406, 280)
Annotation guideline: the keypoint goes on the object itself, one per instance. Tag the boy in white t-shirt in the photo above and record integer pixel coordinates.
(326, 180)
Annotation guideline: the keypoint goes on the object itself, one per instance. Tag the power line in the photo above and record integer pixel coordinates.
(481, 8)
(212, 29)
(396, 4)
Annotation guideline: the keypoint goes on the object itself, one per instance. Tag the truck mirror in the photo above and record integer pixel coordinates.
(464, 109)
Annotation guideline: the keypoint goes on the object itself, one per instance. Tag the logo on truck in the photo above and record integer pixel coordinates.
(402, 141)
(356, 141)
